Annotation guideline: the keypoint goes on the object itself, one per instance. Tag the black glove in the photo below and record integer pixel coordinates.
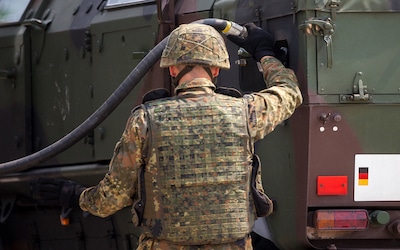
(57, 192)
(258, 42)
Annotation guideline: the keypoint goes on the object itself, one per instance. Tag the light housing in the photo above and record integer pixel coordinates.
(341, 219)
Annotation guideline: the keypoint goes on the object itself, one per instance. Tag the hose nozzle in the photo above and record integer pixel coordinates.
(226, 27)
(235, 29)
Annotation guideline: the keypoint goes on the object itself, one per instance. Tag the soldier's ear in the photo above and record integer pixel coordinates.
(173, 70)
(215, 71)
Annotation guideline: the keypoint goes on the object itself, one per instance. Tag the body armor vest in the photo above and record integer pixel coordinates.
(198, 170)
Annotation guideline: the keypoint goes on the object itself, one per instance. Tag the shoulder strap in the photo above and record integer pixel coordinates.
(228, 91)
(155, 94)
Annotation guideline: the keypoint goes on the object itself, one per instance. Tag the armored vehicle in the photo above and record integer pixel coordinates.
(332, 169)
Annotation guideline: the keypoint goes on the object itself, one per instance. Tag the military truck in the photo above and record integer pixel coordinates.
(332, 169)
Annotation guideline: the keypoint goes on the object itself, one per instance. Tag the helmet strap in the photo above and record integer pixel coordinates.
(208, 70)
(183, 72)
(187, 69)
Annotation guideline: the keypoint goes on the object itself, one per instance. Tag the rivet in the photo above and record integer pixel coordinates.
(337, 117)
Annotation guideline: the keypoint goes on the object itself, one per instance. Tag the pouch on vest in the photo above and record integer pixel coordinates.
(137, 213)
(262, 202)
(138, 206)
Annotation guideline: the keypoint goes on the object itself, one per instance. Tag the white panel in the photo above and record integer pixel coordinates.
(383, 177)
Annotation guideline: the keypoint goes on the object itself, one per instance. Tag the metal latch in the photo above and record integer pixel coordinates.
(42, 23)
(360, 91)
(8, 74)
(321, 28)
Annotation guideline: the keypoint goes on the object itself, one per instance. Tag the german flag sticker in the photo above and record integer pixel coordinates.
(363, 176)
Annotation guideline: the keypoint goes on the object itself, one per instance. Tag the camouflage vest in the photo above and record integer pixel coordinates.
(198, 171)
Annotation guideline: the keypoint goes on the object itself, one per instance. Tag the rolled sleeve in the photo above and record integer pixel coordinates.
(277, 102)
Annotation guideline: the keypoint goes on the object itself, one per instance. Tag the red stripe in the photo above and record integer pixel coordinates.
(363, 176)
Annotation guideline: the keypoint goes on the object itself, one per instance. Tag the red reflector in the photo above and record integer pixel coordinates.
(356, 219)
(64, 221)
(332, 185)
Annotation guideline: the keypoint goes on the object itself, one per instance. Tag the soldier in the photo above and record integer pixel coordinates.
(184, 163)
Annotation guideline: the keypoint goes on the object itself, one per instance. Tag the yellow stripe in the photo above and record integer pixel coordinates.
(228, 27)
(363, 182)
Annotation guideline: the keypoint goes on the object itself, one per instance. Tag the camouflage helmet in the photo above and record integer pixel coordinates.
(195, 44)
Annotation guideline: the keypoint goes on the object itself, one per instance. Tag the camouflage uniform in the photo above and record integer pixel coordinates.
(118, 189)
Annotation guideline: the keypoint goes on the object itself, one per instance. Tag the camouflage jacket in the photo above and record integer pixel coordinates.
(267, 109)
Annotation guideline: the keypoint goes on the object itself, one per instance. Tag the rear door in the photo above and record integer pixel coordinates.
(15, 82)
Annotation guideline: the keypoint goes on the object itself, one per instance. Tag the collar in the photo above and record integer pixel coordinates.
(201, 85)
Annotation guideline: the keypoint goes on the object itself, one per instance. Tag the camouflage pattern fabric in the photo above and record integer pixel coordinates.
(148, 243)
(266, 109)
(195, 44)
(200, 169)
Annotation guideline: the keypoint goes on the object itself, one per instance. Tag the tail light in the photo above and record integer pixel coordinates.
(353, 219)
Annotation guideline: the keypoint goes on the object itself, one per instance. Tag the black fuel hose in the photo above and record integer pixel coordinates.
(29, 161)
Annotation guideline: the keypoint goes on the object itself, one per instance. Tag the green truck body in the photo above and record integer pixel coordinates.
(332, 168)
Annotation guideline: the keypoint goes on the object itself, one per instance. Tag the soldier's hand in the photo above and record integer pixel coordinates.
(258, 43)
(57, 192)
